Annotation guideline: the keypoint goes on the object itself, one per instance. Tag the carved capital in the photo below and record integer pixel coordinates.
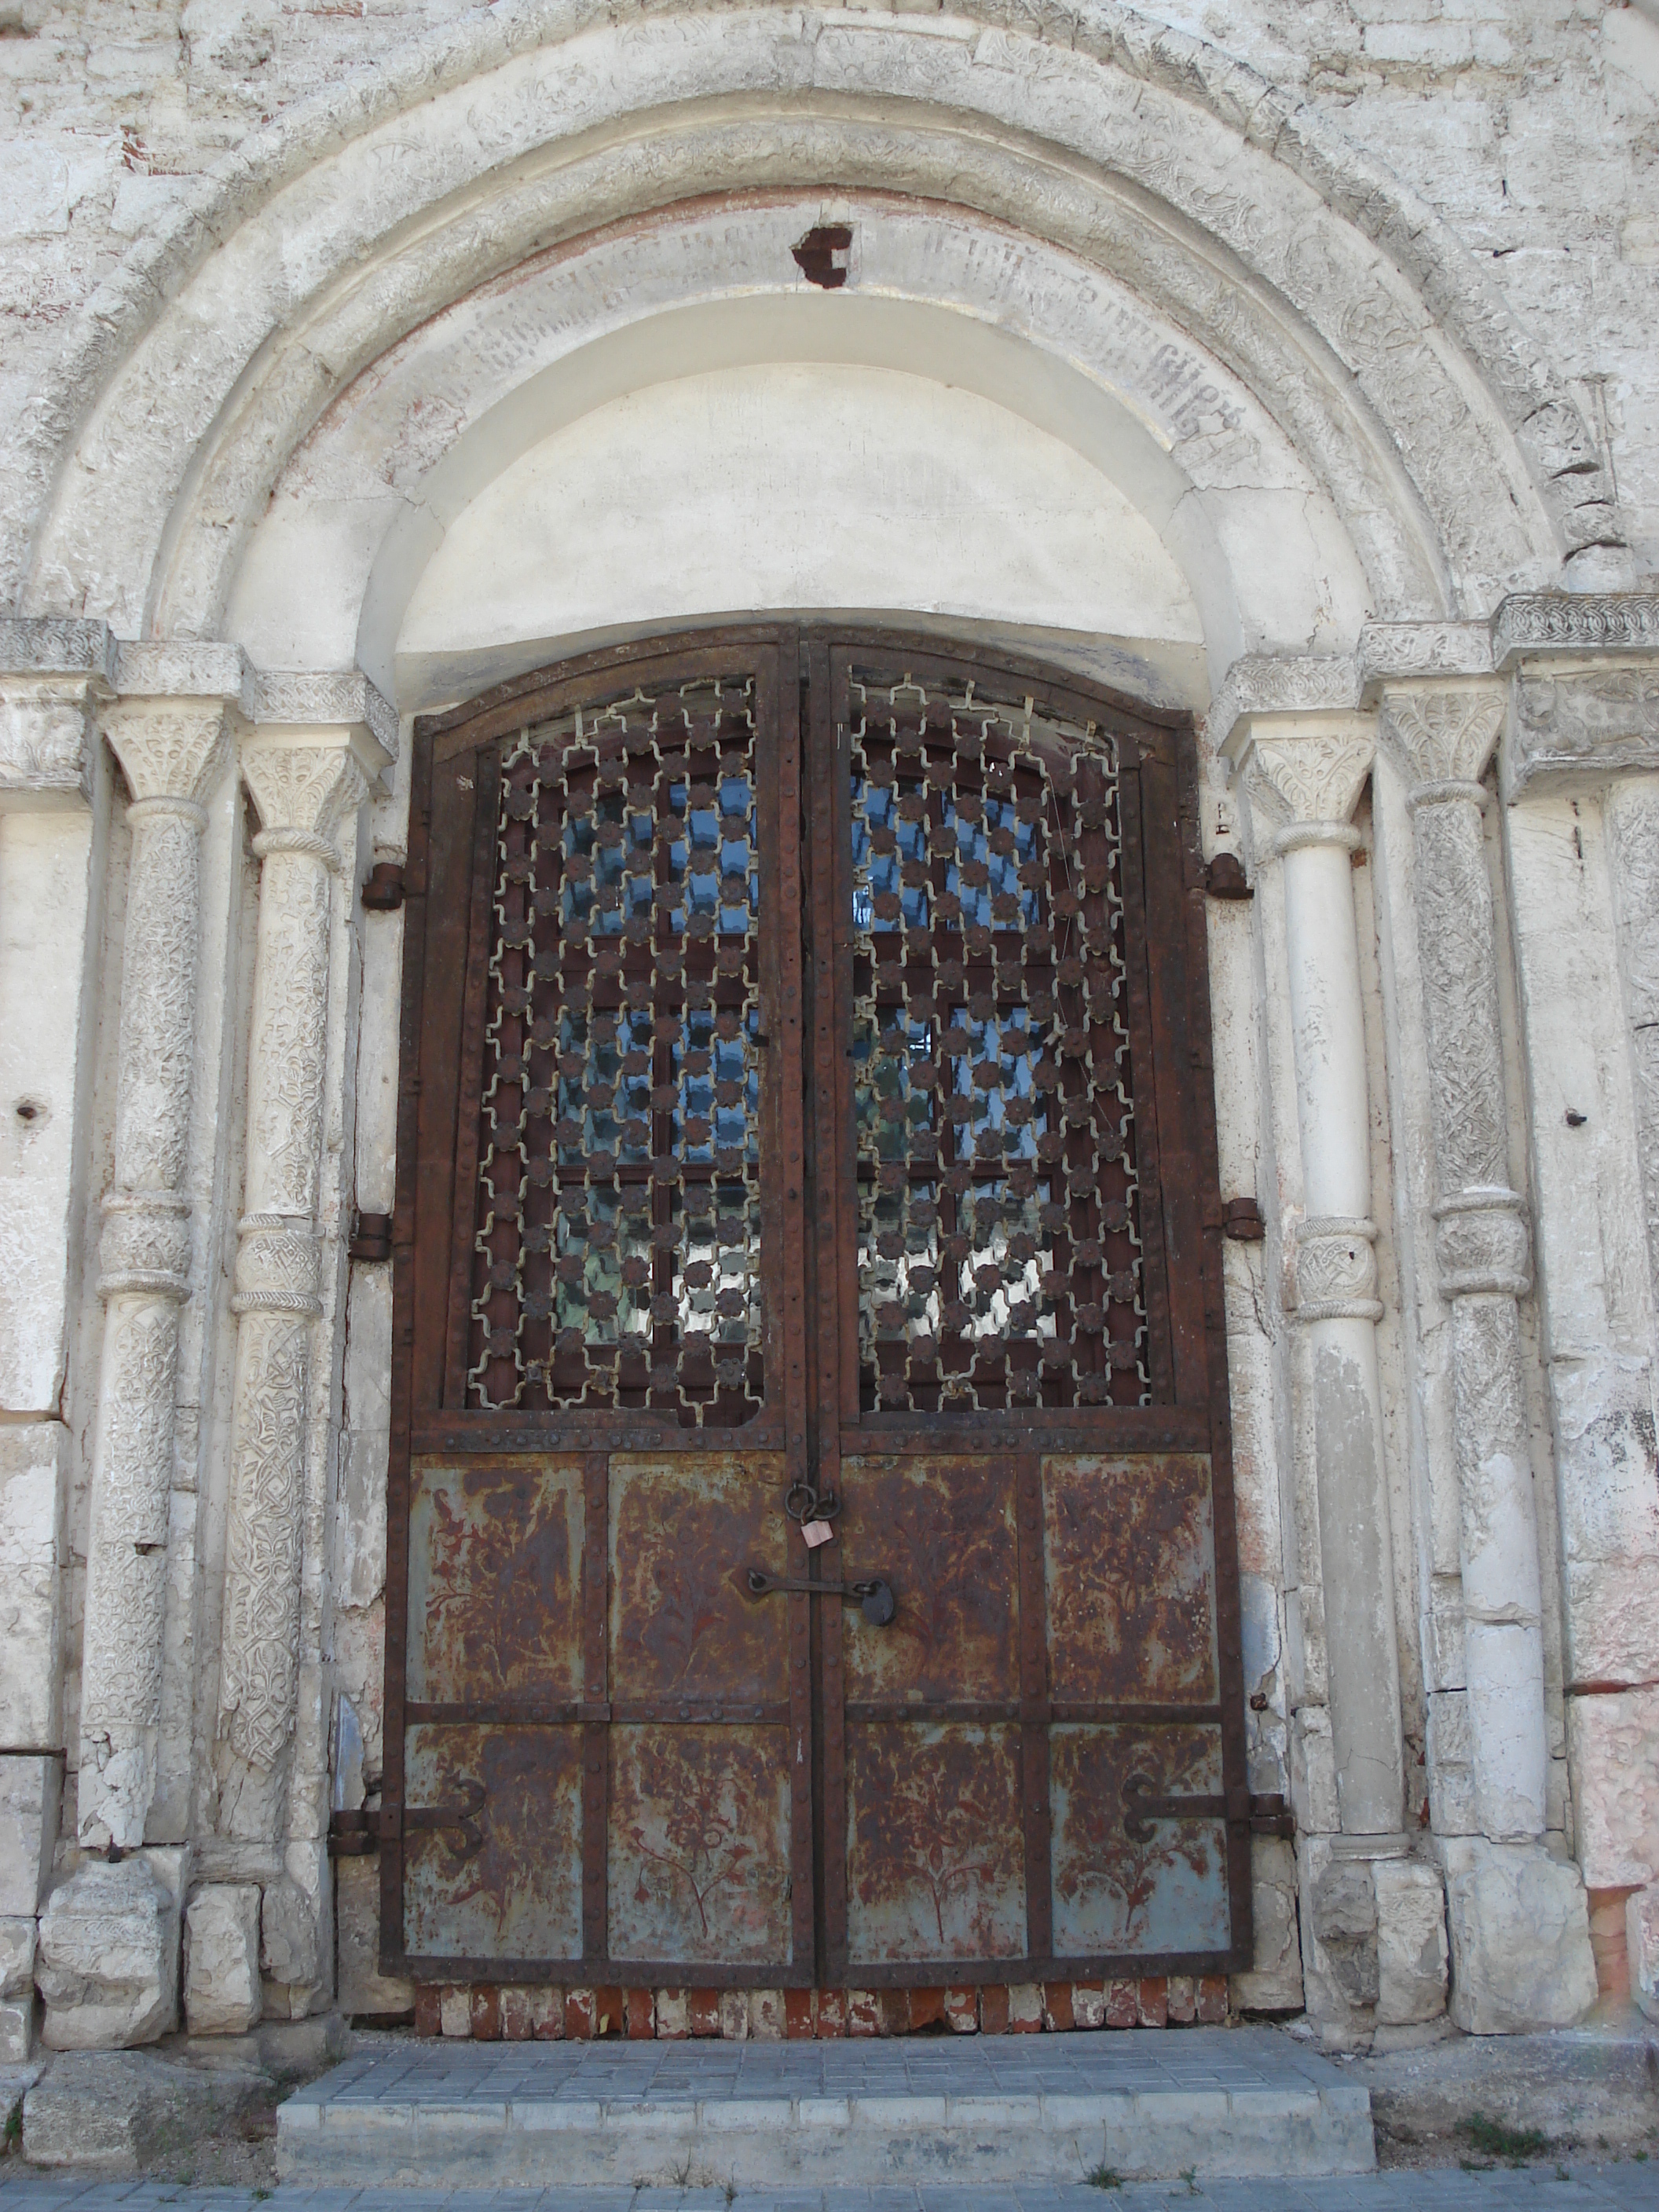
(1312, 778)
(1443, 733)
(1482, 1243)
(168, 748)
(1333, 1270)
(303, 792)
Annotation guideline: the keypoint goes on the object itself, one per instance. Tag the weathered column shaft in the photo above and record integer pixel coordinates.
(1318, 777)
(1482, 1247)
(301, 791)
(169, 752)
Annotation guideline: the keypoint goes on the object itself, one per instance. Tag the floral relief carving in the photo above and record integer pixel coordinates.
(289, 1014)
(1319, 777)
(1445, 735)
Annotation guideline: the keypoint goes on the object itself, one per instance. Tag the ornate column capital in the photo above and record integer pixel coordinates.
(1444, 734)
(304, 789)
(170, 751)
(1308, 772)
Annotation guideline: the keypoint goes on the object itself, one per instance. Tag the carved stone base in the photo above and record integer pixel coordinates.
(108, 1961)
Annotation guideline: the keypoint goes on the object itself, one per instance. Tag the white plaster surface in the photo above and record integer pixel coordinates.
(793, 485)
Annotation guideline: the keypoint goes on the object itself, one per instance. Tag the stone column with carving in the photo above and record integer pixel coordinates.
(1446, 736)
(303, 791)
(170, 750)
(1313, 776)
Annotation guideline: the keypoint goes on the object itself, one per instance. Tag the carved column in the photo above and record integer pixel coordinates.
(170, 751)
(1445, 735)
(303, 791)
(1315, 776)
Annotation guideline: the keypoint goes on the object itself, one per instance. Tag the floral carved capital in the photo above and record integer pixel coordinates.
(1312, 778)
(1443, 735)
(168, 748)
(303, 792)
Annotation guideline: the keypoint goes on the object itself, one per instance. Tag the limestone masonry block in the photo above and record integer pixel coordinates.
(108, 1961)
(1411, 1942)
(288, 1945)
(16, 1990)
(1614, 1743)
(363, 1989)
(30, 1785)
(221, 1959)
(1641, 1944)
(1275, 1981)
(1519, 1925)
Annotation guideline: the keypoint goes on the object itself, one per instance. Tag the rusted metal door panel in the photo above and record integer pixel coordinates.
(665, 1296)
(684, 1635)
(933, 1844)
(700, 1849)
(1129, 1884)
(493, 1869)
(941, 1531)
(495, 1583)
(1130, 1559)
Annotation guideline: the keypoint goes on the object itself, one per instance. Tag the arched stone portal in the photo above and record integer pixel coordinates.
(1136, 367)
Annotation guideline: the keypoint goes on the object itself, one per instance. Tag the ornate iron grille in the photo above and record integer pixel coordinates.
(998, 1251)
(617, 1261)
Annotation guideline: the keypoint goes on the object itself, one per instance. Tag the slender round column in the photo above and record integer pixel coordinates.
(1318, 778)
(169, 751)
(303, 792)
(1482, 1247)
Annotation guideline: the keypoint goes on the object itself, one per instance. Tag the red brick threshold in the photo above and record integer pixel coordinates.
(488, 2013)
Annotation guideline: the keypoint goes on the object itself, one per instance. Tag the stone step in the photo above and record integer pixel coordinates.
(1211, 2102)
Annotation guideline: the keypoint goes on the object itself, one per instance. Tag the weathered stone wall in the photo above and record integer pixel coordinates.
(1531, 126)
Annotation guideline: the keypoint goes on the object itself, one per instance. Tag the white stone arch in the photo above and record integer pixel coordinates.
(1458, 464)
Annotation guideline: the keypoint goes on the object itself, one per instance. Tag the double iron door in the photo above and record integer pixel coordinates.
(811, 1551)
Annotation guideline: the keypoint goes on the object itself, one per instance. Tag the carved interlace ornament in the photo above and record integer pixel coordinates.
(170, 752)
(1334, 1270)
(306, 794)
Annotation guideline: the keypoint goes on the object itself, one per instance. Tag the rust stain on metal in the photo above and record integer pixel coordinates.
(494, 1580)
(679, 1626)
(699, 1844)
(941, 1532)
(935, 1863)
(1124, 1884)
(1130, 1557)
(516, 1893)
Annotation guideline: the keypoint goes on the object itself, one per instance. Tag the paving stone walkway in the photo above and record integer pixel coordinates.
(1621, 2187)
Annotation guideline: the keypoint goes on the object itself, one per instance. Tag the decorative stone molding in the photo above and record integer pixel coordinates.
(305, 791)
(1529, 624)
(1437, 649)
(1334, 1270)
(1317, 778)
(1259, 685)
(170, 751)
(1444, 736)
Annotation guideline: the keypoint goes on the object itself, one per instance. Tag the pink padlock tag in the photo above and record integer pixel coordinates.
(814, 1533)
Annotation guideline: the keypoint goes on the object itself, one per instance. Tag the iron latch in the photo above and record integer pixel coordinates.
(874, 1597)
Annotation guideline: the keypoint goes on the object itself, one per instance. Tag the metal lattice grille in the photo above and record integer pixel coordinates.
(618, 1257)
(998, 1251)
